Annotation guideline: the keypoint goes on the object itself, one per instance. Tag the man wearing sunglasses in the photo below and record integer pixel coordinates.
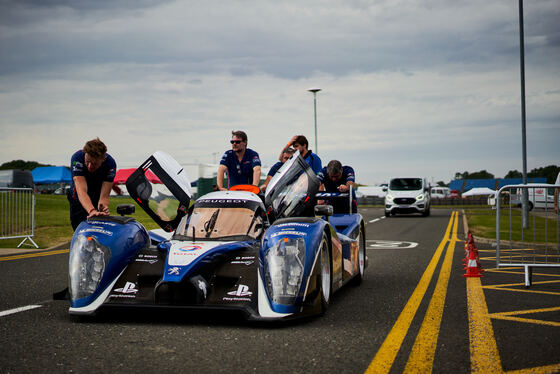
(93, 171)
(242, 164)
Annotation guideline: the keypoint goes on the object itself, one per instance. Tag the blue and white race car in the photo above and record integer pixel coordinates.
(273, 256)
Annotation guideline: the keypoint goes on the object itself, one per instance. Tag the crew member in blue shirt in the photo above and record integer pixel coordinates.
(242, 164)
(338, 178)
(299, 143)
(93, 171)
(274, 169)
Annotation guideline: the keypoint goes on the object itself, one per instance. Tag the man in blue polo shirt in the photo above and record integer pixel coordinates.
(242, 164)
(300, 143)
(338, 178)
(93, 171)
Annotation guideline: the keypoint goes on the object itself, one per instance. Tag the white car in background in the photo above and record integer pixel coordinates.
(407, 195)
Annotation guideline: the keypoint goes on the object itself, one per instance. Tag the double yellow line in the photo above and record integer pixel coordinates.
(35, 254)
(422, 355)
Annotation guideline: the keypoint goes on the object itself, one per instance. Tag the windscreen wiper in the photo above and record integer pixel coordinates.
(209, 225)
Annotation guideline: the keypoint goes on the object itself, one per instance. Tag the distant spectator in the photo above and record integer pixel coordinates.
(242, 164)
(300, 143)
(93, 171)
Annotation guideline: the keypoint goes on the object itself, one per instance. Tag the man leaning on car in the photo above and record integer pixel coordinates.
(93, 171)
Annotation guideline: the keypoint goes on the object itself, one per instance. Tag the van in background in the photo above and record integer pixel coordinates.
(407, 195)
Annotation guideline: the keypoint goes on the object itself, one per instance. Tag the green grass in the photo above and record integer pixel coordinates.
(52, 220)
(482, 223)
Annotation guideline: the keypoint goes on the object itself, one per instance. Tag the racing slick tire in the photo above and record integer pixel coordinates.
(357, 280)
(325, 275)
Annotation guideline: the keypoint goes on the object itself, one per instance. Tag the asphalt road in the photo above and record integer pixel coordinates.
(411, 313)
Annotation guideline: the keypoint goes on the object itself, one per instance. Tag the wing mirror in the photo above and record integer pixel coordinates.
(125, 209)
(323, 210)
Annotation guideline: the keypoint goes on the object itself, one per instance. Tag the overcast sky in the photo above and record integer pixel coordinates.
(409, 87)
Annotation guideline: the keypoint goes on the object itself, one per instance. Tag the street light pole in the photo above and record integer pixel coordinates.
(524, 192)
(315, 90)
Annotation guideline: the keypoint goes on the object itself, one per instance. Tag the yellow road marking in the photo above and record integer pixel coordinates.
(421, 358)
(386, 354)
(526, 320)
(485, 357)
(528, 311)
(499, 288)
(519, 284)
(36, 254)
(555, 368)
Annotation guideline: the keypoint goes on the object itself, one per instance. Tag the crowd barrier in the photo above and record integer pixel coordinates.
(17, 214)
(532, 242)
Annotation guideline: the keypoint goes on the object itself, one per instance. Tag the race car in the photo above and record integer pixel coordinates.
(272, 256)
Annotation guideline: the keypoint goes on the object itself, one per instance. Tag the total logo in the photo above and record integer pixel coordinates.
(129, 287)
(190, 248)
(242, 290)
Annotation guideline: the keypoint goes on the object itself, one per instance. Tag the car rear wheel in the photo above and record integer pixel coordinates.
(325, 280)
(361, 258)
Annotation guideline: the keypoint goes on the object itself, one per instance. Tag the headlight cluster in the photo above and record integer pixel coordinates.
(420, 197)
(388, 198)
(284, 264)
(88, 259)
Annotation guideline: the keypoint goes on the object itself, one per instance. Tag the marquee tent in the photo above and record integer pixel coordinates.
(51, 175)
(479, 191)
(123, 174)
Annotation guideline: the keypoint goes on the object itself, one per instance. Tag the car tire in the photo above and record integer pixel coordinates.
(387, 214)
(325, 275)
(426, 213)
(357, 280)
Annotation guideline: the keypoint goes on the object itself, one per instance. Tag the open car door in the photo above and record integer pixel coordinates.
(167, 202)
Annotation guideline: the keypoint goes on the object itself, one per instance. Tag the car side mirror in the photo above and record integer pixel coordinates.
(384, 189)
(125, 209)
(323, 210)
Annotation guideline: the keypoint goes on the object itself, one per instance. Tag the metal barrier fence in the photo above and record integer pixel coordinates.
(17, 214)
(537, 244)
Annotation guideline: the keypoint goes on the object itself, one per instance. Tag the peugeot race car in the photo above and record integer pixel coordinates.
(273, 256)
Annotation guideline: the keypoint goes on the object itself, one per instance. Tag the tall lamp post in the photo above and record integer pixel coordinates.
(315, 90)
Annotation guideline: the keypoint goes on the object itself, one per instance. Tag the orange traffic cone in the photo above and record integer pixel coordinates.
(473, 266)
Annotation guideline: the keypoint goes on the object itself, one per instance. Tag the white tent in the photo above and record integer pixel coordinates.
(479, 191)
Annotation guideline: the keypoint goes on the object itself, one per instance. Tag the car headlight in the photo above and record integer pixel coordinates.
(420, 197)
(88, 259)
(284, 264)
(389, 198)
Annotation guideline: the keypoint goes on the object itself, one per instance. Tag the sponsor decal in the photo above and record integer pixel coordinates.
(202, 287)
(97, 230)
(173, 271)
(189, 248)
(298, 233)
(151, 259)
(245, 260)
(128, 291)
(242, 293)
(102, 223)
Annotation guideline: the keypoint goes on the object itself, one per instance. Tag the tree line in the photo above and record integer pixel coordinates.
(21, 165)
(549, 172)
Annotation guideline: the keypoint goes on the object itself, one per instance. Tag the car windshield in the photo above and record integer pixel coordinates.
(220, 223)
(405, 184)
